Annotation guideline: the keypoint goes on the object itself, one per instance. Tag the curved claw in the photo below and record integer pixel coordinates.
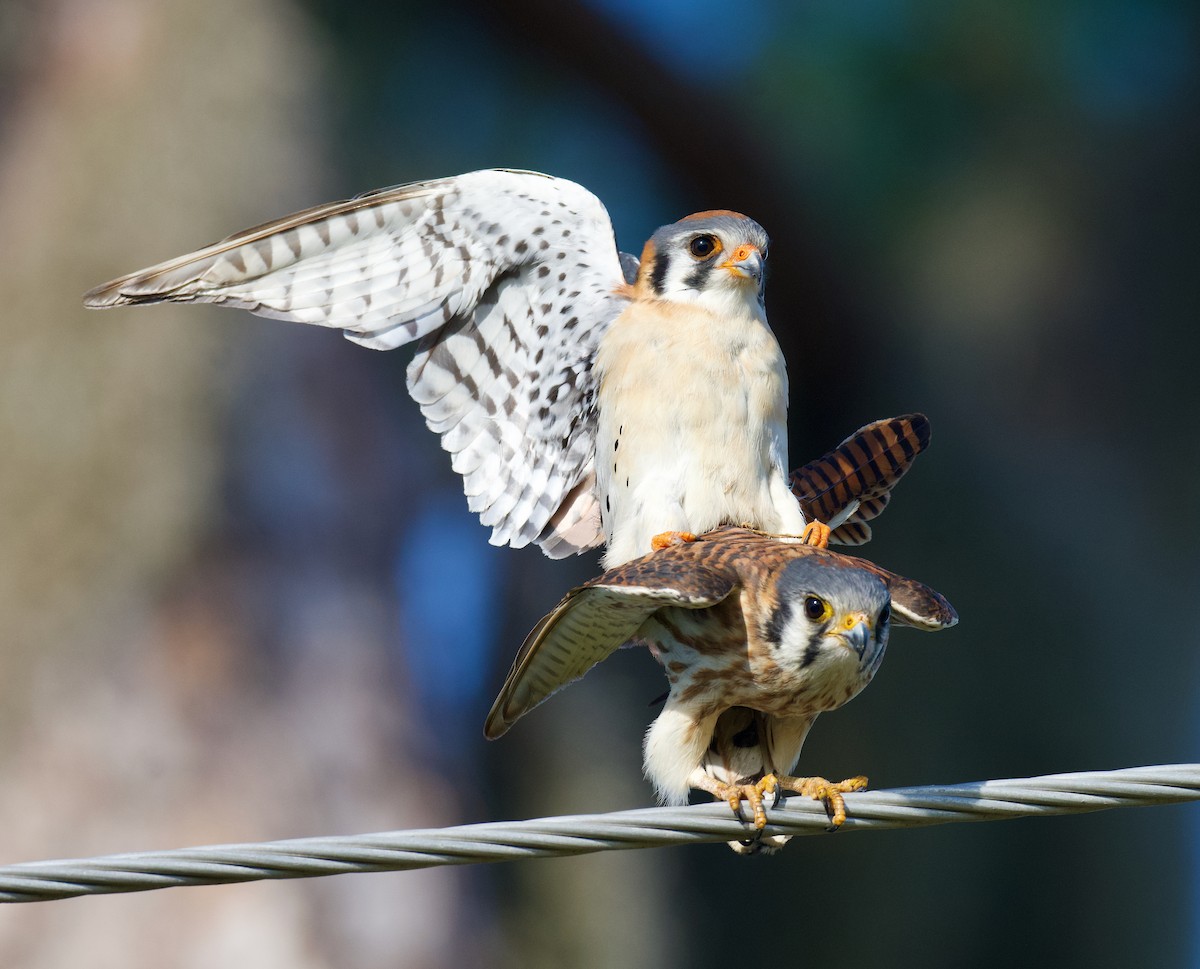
(734, 794)
(828, 792)
(777, 791)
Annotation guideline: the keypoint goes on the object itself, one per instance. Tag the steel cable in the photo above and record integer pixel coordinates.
(572, 835)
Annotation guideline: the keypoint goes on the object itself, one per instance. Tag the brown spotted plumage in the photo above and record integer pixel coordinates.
(756, 637)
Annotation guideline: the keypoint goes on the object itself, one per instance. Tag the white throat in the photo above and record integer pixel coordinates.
(730, 300)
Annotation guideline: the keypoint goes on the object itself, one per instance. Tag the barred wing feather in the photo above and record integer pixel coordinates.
(505, 279)
(595, 620)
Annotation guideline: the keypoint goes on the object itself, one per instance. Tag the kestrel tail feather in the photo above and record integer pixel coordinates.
(851, 485)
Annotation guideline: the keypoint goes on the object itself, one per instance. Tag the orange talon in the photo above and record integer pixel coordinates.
(734, 794)
(828, 792)
(817, 534)
(667, 539)
(767, 785)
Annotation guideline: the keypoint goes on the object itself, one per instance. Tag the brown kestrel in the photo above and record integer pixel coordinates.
(757, 637)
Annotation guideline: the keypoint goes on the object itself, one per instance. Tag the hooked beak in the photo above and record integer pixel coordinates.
(854, 629)
(745, 262)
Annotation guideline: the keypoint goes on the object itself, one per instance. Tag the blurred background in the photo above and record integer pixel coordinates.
(241, 597)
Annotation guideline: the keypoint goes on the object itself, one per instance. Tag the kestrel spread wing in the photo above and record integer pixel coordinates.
(852, 484)
(508, 279)
(593, 621)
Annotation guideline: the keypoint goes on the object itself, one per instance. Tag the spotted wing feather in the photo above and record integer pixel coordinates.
(852, 484)
(507, 280)
(593, 621)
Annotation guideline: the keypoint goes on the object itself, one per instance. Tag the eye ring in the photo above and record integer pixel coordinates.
(704, 246)
(885, 614)
(816, 608)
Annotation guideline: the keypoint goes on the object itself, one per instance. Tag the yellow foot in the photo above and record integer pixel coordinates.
(753, 793)
(816, 533)
(819, 789)
(667, 539)
(735, 794)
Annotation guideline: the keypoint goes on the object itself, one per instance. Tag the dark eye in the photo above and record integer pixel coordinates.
(816, 608)
(884, 615)
(703, 246)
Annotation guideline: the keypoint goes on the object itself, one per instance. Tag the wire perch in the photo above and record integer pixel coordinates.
(909, 807)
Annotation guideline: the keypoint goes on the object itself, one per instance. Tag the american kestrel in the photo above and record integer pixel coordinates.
(585, 396)
(756, 636)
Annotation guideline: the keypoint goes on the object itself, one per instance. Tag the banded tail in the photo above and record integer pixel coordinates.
(852, 484)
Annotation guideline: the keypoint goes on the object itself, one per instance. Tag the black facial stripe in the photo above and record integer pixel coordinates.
(698, 276)
(658, 275)
(813, 649)
(773, 632)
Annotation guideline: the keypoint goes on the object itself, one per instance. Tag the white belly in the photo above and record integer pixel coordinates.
(692, 428)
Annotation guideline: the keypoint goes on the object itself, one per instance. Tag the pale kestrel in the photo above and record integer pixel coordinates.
(757, 637)
(585, 396)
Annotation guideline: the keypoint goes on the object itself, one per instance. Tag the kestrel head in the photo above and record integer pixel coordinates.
(828, 620)
(710, 257)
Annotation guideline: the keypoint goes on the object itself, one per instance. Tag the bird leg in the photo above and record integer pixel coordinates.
(818, 788)
(734, 794)
(828, 792)
(816, 533)
(667, 539)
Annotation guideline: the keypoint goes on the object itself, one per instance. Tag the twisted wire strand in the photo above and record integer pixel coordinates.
(581, 834)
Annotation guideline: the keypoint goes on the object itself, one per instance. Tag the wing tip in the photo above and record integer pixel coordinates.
(939, 615)
(497, 724)
(105, 295)
(154, 285)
